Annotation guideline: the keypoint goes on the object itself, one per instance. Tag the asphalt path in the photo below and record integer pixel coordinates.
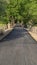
(18, 48)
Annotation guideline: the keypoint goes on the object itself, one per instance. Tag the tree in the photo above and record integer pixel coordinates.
(22, 10)
(3, 11)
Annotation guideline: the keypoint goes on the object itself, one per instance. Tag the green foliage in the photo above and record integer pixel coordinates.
(3, 11)
(25, 10)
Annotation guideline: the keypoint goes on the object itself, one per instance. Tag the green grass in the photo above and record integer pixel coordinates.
(1, 24)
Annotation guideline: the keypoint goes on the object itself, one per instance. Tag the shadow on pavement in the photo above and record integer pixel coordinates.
(17, 32)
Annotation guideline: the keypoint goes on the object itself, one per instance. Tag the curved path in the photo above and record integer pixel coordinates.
(18, 48)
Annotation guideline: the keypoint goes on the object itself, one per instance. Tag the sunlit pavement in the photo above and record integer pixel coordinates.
(18, 48)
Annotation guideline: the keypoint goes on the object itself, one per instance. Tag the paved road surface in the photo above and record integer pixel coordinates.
(18, 48)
